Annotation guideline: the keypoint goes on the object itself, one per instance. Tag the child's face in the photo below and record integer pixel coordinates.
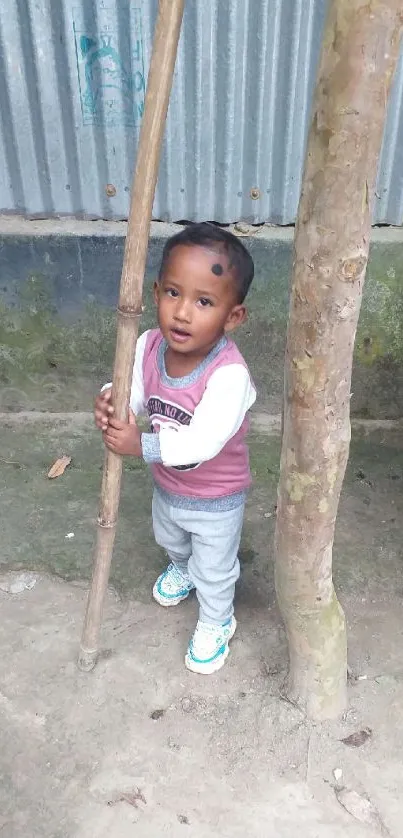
(197, 300)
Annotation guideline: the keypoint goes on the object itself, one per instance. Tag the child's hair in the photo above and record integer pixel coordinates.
(217, 239)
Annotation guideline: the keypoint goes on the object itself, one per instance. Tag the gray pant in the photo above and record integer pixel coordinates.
(204, 545)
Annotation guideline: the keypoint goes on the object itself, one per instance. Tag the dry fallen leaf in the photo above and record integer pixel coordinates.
(132, 798)
(184, 819)
(361, 809)
(59, 467)
(355, 740)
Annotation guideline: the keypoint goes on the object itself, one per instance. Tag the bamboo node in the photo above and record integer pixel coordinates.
(87, 659)
(129, 311)
(107, 525)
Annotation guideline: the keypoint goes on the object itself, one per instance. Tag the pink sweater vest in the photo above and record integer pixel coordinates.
(227, 473)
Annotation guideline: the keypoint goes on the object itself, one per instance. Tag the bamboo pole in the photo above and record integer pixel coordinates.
(159, 84)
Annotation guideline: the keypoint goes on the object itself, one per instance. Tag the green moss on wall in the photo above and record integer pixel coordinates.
(57, 344)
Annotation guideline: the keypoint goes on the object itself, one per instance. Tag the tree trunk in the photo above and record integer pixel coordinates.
(331, 245)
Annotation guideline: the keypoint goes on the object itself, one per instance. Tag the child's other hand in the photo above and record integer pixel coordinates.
(103, 410)
(123, 438)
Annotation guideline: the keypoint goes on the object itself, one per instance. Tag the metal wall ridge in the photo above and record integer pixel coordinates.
(72, 81)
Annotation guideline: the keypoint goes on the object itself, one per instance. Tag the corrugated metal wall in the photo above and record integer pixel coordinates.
(72, 92)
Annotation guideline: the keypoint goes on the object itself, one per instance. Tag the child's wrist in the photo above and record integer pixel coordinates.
(150, 447)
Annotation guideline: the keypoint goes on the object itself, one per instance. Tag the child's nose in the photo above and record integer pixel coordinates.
(183, 310)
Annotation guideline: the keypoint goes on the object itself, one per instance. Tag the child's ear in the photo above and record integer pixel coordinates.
(236, 317)
(156, 292)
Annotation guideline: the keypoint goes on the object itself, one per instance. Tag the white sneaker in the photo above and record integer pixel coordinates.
(208, 649)
(172, 586)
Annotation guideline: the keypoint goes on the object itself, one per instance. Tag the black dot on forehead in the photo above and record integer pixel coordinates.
(217, 269)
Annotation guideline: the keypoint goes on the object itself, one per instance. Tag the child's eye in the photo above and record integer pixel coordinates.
(204, 302)
(172, 292)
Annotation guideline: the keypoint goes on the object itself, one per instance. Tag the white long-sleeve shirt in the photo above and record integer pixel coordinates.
(195, 418)
(228, 396)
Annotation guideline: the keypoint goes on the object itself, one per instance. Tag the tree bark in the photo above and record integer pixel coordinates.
(331, 246)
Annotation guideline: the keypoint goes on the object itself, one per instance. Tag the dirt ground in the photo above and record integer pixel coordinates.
(141, 747)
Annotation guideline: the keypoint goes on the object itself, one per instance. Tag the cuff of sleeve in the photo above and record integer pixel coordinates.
(150, 446)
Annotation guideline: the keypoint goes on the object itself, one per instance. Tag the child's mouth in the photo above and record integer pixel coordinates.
(179, 335)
